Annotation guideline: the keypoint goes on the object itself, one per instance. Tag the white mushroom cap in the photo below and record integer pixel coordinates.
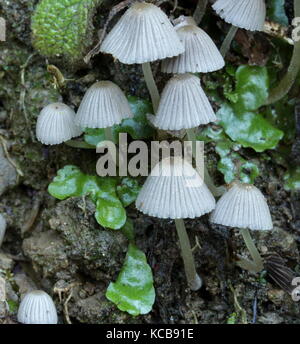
(103, 105)
(37, 307)
(2, 228)
(201, 54)
(243, 206)
(56, 124)
(183, 104)
(246, 14)
(174, 190)
(143, 34)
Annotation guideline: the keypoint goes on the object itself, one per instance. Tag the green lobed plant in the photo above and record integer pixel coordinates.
(245, 122)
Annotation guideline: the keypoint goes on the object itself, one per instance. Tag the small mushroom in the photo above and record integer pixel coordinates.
(37, 307)
(143, 34)
(2, 228)
(249, 15)
(183, 104)
(56, 124)
(103, 105)
(201, 54)
(244, 206)
(176, 191)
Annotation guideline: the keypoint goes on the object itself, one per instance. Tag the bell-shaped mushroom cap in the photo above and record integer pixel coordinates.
(2, 228)
(249, 15)
(201, 54)
(183, 104)
(143, 34)
(103, 106)
(174, 190)
(243, 206)
(56, 124)
(37, 307)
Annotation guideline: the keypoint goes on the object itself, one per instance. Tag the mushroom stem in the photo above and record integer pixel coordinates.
(109, 134)
(151, 85)
(194, 280)
(258, 261)
(217, 191)
(228, 40)
(290, 77)
(78, 144)
(200, 11)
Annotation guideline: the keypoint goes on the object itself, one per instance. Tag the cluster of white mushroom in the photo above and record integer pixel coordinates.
(144, 34)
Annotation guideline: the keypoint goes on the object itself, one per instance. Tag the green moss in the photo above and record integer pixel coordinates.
(63, 28)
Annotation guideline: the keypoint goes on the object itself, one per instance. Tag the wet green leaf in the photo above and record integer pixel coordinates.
(68, 183)
(292, 179)
(137, 127)
(133, 292)
(94, 136)
(62, 28)
(128, 190)
(128, 230)
(228, 166)
(252, 84)
(249, 129)
(71, 182)
(276, 12)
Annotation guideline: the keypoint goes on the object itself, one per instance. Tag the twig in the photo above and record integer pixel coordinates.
(3, 143)
(23, 94)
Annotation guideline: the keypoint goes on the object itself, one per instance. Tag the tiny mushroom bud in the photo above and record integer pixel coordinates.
(2, 228)
(243, 206)
(246, 14)
(37, 307)
(56, 124)
(103, 106)
(183, 105)
(143, 34)
(175, 190)
(201, 54)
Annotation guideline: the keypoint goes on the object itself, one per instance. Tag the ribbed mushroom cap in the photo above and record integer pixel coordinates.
(103, 106)
(243, 206)
(174, 190)
(183, 104)
(143, 34)
(37, 307)
(56, 124)
(201, 54)
(2, 228)
(246, 14)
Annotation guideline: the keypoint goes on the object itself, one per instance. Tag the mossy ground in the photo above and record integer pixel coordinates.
(42, 238)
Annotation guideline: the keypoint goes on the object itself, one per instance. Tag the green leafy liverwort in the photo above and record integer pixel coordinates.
(105, 193)
(63, 28)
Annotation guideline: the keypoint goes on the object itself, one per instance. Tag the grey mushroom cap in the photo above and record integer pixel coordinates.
(37, 307)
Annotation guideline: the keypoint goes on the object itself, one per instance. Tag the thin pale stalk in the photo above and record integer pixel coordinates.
(215, 190)
(194, 280)
(289, 79)
(200, 11)
(228, 40)
(258, 261)
(151, 85)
